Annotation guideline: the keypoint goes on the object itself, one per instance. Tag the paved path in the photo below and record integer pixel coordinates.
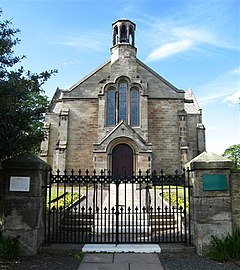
(120, 261)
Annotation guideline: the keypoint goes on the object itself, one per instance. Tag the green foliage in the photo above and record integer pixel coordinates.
(233, 153)
(9, 247)
(176, 198)
(79, 255)
(54, 194)
(65, 201)
(225, 249)
(22, 99)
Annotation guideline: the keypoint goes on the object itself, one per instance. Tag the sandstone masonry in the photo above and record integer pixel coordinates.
(123, 104)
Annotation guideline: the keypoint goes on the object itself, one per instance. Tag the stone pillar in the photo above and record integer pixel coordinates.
(59, 162)
(201, 138)
(184, 146)
(45, 142)
(24, 201)
(210, 199)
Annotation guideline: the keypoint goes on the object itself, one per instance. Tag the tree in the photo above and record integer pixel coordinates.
(233, 153)
(22, 99)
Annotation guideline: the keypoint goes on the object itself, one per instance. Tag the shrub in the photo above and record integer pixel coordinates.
(79, 255)
(66, 201)
(9, 247)
(225, 249)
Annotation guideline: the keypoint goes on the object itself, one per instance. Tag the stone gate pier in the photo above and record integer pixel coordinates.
(24, 202)
(211, 199)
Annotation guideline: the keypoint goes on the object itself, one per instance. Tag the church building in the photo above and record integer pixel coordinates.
(122, 117)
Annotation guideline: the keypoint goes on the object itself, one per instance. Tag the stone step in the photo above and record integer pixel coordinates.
(122, 229)
(162, 215)
(75, 228)
(77, 222)
(79, 215)
(163, 223)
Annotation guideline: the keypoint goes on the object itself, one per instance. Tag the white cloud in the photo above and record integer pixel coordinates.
(195, 33)
(169, 49)
(85, 41)
(178, 39)
(81, 43)
(233, 98)
(226, 86)
(212, 97)
(173, 36)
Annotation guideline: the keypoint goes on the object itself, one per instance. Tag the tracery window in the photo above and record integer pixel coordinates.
(122, 104)
(111, 107)
(122, 101)
(134, 107)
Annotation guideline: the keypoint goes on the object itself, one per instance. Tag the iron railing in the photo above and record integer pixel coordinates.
(105, 208)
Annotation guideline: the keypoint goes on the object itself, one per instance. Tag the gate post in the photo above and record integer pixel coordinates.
(210, 199)
(24, 201)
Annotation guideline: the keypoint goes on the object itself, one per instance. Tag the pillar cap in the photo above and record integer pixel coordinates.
(208, 160)
(25, 160)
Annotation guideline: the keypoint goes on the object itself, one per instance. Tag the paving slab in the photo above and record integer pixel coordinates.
(120, 261)
(98, 258)
(136, 258)
(105, 266)
(142, 266)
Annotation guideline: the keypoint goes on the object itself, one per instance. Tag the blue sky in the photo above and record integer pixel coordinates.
(191, 43)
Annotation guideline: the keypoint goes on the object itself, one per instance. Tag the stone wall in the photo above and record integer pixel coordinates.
(1, 197)
(83, 134)
(235, 196)
(164, 134)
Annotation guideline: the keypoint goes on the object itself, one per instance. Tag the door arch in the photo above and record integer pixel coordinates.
(122, 160)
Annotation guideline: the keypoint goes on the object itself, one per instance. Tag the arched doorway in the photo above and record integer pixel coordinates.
(122, 160)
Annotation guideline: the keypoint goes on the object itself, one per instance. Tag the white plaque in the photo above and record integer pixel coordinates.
(19, 183)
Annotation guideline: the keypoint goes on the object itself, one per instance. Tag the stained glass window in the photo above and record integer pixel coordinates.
(134, 107)
(122, 101)
(111, 107)
(122, 104)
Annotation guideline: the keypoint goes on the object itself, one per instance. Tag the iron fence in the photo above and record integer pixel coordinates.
(105, 208)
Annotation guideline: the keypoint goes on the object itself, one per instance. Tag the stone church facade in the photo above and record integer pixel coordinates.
(122, 117)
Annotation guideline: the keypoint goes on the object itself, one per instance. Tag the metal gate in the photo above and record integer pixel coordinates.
(105, 208)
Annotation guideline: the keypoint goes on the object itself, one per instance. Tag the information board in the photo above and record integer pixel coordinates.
(19, 183)
(214, 182)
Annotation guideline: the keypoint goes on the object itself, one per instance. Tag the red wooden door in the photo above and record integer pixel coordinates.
(122, 160)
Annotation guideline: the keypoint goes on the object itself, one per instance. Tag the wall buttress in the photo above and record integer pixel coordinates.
(61, 147)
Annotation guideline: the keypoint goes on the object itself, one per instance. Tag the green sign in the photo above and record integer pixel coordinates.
(214, 182)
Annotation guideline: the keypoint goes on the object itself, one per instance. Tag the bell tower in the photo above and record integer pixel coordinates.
(123, 39)
(123, 32)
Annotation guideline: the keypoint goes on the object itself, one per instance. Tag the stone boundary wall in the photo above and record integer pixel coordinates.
(235, 196)
(1, 197)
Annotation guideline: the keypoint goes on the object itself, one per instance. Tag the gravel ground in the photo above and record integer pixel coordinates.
(183, 261)
(43, 262)
(65, 262)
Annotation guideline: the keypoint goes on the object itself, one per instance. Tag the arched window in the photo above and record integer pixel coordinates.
(111, 107)
(122, 104)
(122, 101)
(134, 107)
(123, 34)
